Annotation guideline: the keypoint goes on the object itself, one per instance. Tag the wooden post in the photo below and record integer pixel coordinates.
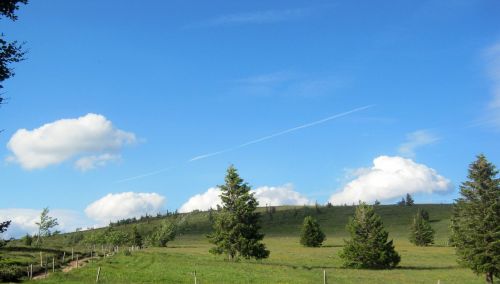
(439, 281)
(53, 264)
(41, 260)
(77, 261)
(31, 271)
(72, 253)
(98, 272)
(91, 254)
(64, 254)
(195, 280)
(324, 276)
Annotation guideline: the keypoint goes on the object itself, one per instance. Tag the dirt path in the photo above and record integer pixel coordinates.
(70, 266)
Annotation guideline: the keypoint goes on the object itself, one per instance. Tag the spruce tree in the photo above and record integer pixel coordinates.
(368, 246)
(236, 227)
(475, 222)
(409, 200)
(311, 234)
(421, 232)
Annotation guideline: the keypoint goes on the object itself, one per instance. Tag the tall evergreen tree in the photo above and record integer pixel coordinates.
(136, 237)
(421, 232)
(311, 234)
(368, 246)
(475, 222)
(236, 227)
(409, 200)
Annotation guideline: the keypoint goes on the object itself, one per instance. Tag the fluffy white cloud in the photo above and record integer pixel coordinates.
(265, 195)
(415, 140)
(388, 178)
(91, 137)
(202, 201)
(280, 195)
(23, 220)
(123, 205)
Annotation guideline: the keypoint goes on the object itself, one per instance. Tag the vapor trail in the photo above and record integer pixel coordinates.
(283, 132)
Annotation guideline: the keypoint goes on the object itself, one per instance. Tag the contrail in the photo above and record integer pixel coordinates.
(283, 132)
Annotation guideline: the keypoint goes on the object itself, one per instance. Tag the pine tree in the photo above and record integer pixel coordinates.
(409, 200)
(368, 246)
(311, 234)
(136, 237)
(475, 222)
(236, 227)
(421, 232)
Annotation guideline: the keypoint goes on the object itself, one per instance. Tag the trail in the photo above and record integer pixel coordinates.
(70, 266)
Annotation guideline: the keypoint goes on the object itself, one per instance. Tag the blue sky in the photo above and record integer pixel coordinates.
(173, 80)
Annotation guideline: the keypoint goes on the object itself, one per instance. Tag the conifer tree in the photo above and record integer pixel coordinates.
(136, 237)
(236, 227)
(368, 246)
(421, 232)
(475, 222)
(409, 200)
(311, 234)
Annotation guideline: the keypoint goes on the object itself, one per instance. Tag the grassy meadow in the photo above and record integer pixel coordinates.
(289, 262)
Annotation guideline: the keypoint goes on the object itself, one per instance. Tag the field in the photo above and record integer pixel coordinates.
(289, 262)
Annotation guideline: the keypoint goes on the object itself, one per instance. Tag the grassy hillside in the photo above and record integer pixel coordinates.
(289, 262)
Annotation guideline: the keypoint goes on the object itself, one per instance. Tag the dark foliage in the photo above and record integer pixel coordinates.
(368, 246)
(475, 222)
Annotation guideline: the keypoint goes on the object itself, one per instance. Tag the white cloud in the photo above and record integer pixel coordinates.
(259, 17)
(492, 56)
(391, 177)
(415, 140)
(23, 220)
(92, 137)
(202, 201)
(124, 205)
(92, 162)
(279, 195)
(265, 195)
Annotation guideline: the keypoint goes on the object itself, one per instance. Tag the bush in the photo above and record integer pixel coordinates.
(11, 273)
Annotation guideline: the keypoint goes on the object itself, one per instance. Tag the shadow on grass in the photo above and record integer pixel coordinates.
(428, 267)
(332, 246)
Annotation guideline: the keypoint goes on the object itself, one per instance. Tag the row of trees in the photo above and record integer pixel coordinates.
(475, 226)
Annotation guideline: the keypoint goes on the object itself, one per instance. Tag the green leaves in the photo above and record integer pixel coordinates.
(475, 223)
(163, 234)
(368, 246)
(236, 227)
(421, 232)
(311, 234)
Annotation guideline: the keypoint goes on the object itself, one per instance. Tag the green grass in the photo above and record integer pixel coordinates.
(289, 262)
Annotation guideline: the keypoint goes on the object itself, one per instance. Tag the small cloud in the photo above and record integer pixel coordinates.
(389, 178)
(91, 162)
(124, 205)
(415, 140)
(265, 195)
(259, 17)
(286, 83)
(23, 220)
(92, 137)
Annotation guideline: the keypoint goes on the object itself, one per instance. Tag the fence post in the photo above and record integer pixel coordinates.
(72, 254)
(195, 280)
(64, 254)
(77, 261)
(31, 271)
(324, 276)
(41, 260)
(53, 265)
(98, 272)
